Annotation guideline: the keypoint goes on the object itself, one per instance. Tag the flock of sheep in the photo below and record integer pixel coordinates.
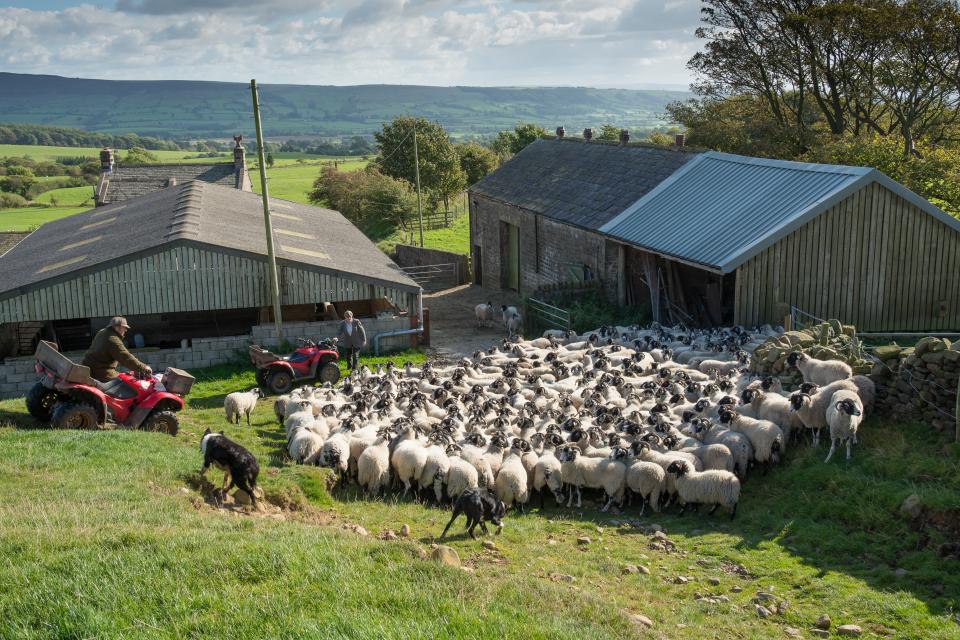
(659, 415)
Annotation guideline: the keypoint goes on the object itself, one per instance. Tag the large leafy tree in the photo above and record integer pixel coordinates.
(835, 67)
(609, 132)
(476, 161)
(440, 172)
(509, 143)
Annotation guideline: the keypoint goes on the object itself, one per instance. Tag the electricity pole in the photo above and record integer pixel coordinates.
(268, 226)
(416, 165)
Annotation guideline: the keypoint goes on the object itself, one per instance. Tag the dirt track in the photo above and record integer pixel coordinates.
(453, 326)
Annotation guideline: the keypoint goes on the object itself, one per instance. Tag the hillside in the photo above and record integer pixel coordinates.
(178, 108)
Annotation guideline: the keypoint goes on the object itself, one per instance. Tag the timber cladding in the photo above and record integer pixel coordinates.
(183, 279)
(873, 260)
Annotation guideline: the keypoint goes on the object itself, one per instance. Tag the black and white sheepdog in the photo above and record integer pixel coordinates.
(240, 467)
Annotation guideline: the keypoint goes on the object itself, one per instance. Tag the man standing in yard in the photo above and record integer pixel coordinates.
(353, 337)
(108, 350)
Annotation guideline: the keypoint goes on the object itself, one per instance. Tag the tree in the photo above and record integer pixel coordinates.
(18, 180)
(476, 161)
(609, 132)
(440, 172)
(139, 155)
(513, 142)
(270, 160)
(367, 197)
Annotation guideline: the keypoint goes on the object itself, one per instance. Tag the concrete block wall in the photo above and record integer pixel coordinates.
(547, 248)
(267, 333)
(17, 375)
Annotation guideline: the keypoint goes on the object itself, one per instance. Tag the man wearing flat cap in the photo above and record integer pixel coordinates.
(108, 350)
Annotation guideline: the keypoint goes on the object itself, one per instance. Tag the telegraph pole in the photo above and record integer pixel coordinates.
(416, 165)
(268, 226)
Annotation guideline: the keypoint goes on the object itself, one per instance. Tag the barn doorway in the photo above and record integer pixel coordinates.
(510, 256)
(477, 266)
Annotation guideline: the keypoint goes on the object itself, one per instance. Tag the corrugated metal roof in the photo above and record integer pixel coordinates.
(719, 209)
(580, 183)
(201, 213)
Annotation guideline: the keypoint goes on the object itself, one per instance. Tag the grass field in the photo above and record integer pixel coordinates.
(68, 197)
(292, 180)
(29, 217)
(102, 534)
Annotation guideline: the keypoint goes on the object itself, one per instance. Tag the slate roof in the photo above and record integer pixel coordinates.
(580, 183)
(135, 180)
(9, 239)
(719, 210)
(205, 215)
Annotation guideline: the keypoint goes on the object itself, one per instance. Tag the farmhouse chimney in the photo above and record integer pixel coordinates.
(561, 132)
(106, 160)
(588, 134)
(624, 136)
(679, 139)
(240, 165)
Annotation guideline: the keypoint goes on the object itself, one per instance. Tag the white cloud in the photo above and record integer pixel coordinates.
(439, 42)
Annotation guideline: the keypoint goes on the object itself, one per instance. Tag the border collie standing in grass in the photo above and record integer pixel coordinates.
(238, 464)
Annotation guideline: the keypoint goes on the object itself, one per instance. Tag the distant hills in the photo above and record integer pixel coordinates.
(192, 109)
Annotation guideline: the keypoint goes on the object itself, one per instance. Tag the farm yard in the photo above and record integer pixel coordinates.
(120, 539)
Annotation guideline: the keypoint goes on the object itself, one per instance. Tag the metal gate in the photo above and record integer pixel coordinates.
(547, 316)
(435, 277)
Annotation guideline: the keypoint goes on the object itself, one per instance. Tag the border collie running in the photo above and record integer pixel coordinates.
(238, 464)
(479, 505)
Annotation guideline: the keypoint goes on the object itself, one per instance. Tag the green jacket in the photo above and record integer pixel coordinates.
(105, 352)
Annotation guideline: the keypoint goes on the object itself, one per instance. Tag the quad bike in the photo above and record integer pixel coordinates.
(311, 361)
(69, 398)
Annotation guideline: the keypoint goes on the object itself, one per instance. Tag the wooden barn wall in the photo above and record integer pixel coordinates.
(183, 279)
(873, 260)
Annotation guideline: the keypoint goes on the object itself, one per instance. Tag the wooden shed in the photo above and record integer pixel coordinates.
(713, 238)
(190, 261)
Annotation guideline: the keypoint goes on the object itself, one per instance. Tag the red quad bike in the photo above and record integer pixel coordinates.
(311, 361)
(69, 398)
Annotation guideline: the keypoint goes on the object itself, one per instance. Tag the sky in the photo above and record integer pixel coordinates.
(597, 43)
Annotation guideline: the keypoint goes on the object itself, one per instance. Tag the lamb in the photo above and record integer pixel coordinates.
(719, 488)
(843, 415)
(373, 465)
(511, 482)
(819, 372)
(484, 314)
(241, 403)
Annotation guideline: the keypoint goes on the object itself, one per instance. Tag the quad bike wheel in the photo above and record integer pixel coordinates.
(280, 382)
(162, 422)
(74, 415)
(40, 402)
(329, 372)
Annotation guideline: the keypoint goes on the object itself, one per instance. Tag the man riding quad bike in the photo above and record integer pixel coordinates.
(93, 394)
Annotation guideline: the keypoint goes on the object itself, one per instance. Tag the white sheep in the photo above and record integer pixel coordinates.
(335, 453)
(408, 460)
(304, 446)
(819, 372)
(461, 475)
(581, 471)
(484, 314)
(511, 482)
(512, 320)
(373, 465)
(719, 488)
(241, 403)
(646, 479)
(766, 437)
(812, 408)
(844, 415)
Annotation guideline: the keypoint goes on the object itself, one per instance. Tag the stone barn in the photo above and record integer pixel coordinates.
(716, 238)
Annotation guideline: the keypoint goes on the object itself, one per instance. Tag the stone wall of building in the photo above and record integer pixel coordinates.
(17, 375)
(550, 252)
